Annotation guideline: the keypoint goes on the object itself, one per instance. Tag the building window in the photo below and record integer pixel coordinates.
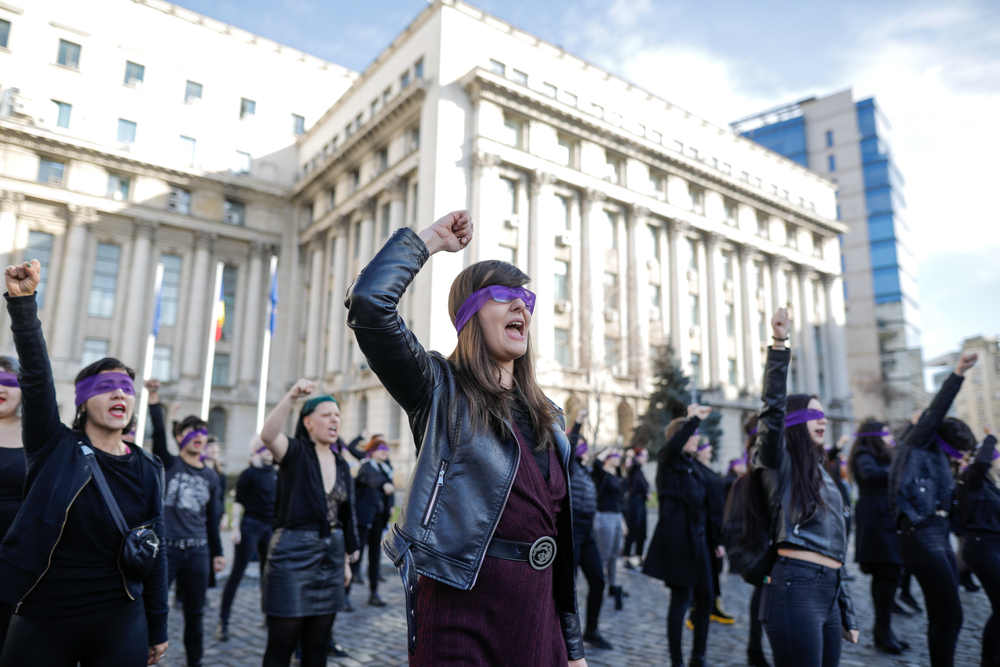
(498, 67)
(695, 309)
(234, 213)
(192, 92)
(386, 222)
(695, 369)
(831, 163)
(69, 54)
(561, 292)
(730, 320)
(179, 201)
(517, 76)
(386, 95)
(126, 131)
(217, 423)
(758, 274)
(94, 349)
(509, 188)
(40, 248)
(242, 162)
(654, 241)
(355, 180)
(727, 265)
(612, 169)
(298, 125)
(50, 172)
(418, 69)
(829, 138)
(791, 236)
(63, 112)
(4, 33)
(229, 277)
(726, 168)
(508, 254)
(597, 110)
(562, 205)
(731, 210)
(611, 354)
(562, 351)
(745, 176)
(118, 187)
(374, 107)
(357, 240)
(654, 298)
(569, 98)
(134, 73)
(658, 184)
(170, 289)
(363, 413)
(762, 224)
(611, 230)
(161, 362)
(762, 326)
(220, 370)
(818, 246)
(550, 90)
(731, 367)
(247, 108)
(187, 150)
(564, 151)
(610, 291)
(513, 132)
(692, 253)
(697, 196)
(382, 160)
(102, 289)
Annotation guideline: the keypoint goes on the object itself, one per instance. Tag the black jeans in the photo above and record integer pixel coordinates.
(254, 536)
(190, 568)
(929, 557)
(115, 637)
(588, 558)
(680, 602)
(801, 615)
(371, 537)
(756, 642)
(982, 555)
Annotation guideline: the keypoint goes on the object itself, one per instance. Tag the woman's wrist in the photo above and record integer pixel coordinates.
(430, 240)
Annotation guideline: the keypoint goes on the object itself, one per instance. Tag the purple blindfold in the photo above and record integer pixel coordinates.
(260, 450)
(498, 293)
(948, 449)
(581, 448)
(382, 447)
(103, 383)
(873, 434)
(802, 416)
(186, 440)
(8, 379)
(702, 448)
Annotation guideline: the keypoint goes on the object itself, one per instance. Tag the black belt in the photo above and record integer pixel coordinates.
(539, 554)
(187, 544)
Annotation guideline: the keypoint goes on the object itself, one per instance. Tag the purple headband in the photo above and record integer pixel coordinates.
(802, 416)
(8, 379)
(705, 446)
(873, 434)
(103, 383)
(736, 462)
(260, 450)
(581, 448)
(381, 447)
(948, 449)
(186, 440)
(498, 293)
(753, 432)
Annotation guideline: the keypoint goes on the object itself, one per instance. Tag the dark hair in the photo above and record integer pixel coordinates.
(746, 496)
(99, 366)
(9, 364)
(478, 374)
(807, 477)
(874, 444)
(957, 434)
(190, 422)
(301, 432)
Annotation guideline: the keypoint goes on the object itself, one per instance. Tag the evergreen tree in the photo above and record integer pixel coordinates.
(668, 401)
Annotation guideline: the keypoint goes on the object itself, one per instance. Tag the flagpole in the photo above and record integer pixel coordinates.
(266, 356)
(206, 393)
(147, 366)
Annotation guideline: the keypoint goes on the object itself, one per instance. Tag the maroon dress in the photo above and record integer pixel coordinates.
(509, 618)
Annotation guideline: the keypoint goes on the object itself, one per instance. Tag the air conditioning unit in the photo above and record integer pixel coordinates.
(695, 331)
(654, 314)
(564, 240)
(611, 315)
(563, 306)
(512, 222)
(14, 103)
(231, 218)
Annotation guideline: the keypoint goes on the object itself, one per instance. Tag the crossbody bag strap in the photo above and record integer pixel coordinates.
(102, 484)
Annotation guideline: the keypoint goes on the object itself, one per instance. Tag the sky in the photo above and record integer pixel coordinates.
(934, 68)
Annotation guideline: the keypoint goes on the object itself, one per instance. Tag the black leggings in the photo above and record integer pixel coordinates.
(756, 629)
(589, 559)
(254, 536)
(285, 634)
(982, 554)
(370, 537)
(115, 637)
(929, 556)
(680, 602)
(885, 581)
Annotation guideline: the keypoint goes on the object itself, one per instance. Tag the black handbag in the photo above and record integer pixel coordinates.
(140, 546)
(761, 567)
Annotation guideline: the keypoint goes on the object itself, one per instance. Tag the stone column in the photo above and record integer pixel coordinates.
(199, 305)
(10, 206)
(397, 211)
(637, 291)
(485, 206)
(139, 293)
(748, 309)
(337, 324)
(541, 266)
(716, 334)
(808, 370)
(367, 251)
(71, 297)
(592, 282)
(253, 329)
(311, 368)
(833, 286)
(680, 318)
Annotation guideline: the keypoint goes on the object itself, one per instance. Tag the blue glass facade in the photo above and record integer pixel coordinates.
(787, 138)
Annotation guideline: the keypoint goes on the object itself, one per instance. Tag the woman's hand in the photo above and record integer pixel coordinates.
(851, 635)
(348, 575)
(156, 653)
(219, 563)
(780, 326)
(451, 233)
(301, 388)
(965, 363)
(236, 535)
(388, 489)
(23, 279)
(153, 387)
(577, 663)
(354, 556)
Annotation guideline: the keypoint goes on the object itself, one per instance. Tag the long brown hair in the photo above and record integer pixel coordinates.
(478, 374)
(881, 452)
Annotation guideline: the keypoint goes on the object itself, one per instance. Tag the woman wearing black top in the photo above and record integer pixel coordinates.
(376, 497)
(12, 466)
(59, 563)
(315, 538)
(609, 522)
(981, 519)
(876, 544)
(678, 551)
(805, 606)
(635, 505)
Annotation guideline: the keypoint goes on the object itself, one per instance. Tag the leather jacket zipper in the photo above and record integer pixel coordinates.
(434, 496)
(517, 466)
(61, 529)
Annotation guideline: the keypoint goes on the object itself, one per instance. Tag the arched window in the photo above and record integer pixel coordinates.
(362, 414)
(626, 422)
(217, 423)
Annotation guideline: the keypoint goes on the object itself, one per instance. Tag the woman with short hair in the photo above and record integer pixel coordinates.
(376, 497)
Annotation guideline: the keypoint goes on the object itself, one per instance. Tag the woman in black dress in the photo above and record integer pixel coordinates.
(308, 561)
(12, 466)
(877, 545)
(635, 506)
(376, 497)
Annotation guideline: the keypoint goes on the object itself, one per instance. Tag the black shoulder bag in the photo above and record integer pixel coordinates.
(762, 565)
(141, 544)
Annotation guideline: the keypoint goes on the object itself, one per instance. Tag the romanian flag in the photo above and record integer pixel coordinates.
(220, 312)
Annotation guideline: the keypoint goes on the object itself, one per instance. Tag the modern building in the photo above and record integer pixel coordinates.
(978, 403)
(847, 142)
(645, 224)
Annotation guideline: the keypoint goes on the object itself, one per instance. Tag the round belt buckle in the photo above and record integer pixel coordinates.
(542, 553)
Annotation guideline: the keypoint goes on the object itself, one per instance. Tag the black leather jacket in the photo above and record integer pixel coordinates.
(462, 478)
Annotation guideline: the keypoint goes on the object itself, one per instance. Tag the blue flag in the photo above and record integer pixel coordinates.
(274, 303)
(156, 316)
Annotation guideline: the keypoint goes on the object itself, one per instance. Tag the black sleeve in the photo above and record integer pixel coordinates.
(867, 470)
(922, 435)
(348, 516)
(243, 484)
(976, 472)
(670, 451)
(160, 435)
(574, 437)
(40, 425)
(212, 517)
(354, 447)
(368, 476)
(154, 590)
(770, 445)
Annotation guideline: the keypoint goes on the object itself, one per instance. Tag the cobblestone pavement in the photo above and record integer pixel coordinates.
(376, 637)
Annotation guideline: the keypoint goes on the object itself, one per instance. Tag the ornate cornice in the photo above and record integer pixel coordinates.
(82, 215)
(482, 161)
(541, 178)
(10, 201)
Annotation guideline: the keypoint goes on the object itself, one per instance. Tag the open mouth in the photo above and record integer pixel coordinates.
(117, 410)
(820, 432)
(515, 329)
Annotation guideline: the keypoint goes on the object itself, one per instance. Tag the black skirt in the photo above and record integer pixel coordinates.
(304, 575)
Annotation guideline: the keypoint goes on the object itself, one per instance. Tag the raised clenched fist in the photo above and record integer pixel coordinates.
(22, 279)
(451, 233)
(965, 363)
(301, 388)
(780, 324)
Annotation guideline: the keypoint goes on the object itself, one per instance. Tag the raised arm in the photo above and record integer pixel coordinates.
(922, 435)
(159, 426)
(40, 425)
(976, 472)
(867, 470)
(771, 418)
(392, 351)
(271, 435)
(670, 451)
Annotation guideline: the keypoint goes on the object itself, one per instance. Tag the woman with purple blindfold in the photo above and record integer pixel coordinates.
(609, 522)
(876, 543)
(13, 469)
(375, 500)
(59, 564)
(486, 529)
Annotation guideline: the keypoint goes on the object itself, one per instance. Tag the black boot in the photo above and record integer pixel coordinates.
(965, 579)
(222, 630)
(909, 600)
(755, 658)
(594, 638)
(885, 641)
(617, 592)
(698, 661)
(375, 601)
